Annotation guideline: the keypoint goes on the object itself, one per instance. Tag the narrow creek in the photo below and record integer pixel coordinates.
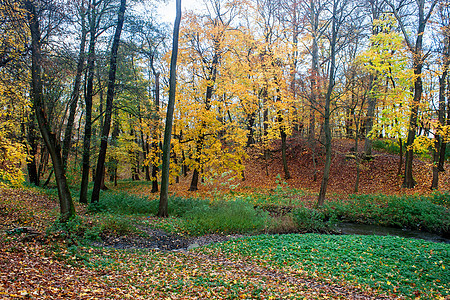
(362, 229)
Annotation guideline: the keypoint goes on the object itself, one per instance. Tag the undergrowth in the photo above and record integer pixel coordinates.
(200, 216)
(413, 212)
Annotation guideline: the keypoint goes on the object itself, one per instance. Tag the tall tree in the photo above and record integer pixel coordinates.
(52, 143)
(440, 144)
(341, 14)
(414, 41)
(375, 8)
(76, 87)
(109, 103)
(164, 196)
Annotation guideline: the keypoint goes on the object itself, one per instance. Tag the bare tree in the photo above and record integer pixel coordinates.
(164, 196)
(109, 104)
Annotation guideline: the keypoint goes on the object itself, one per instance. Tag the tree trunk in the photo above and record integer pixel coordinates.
(327, 111)
(75, 93)
(251, 129)
(33, 174)
(439, 150)
(65, 199)
(109, 105)
(208, 96)
(164, 195)
(408, 181)
(88, 111)
(155, 135)
(314, 21)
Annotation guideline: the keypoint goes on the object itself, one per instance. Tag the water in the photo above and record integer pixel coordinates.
(362, 229)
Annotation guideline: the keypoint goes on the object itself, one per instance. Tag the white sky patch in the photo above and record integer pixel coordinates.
(167, 11)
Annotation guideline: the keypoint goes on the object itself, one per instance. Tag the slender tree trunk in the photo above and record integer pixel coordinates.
(408, 181)
(314, 71)
(164, 195)
(86, 154)
(196, 173)
(33, 174)
(76, 91)
(155, 136)
(327, 111)
(418, 61)
(265, 139)
(439, 150)
(400, 163)
(251, 129)
(357, 161)
(201, 139)
(283, 141)
(65, 199)
(99, 175)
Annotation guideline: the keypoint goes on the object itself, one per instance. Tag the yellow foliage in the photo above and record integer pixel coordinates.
(14, 85)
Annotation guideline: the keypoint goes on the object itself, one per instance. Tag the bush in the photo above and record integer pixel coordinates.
(225, 217)
(411, 212)
(116, 224)
(179, 206)
(124, 203)
(312, 220)
(75, 231)
(390, 146)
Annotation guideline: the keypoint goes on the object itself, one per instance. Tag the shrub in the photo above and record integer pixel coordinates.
(312, 220)
(411, 212)
(124, 203)
(390, 146)
(225, 217)
(116, 224)
(75, 231)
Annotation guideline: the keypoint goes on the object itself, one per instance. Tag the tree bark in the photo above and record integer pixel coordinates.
(440, 145)
(65, 199)
(75, 93)
(327, 111)
(33, 174)
(164, 195)
(109, 104)
(88, 110)
(155, 135)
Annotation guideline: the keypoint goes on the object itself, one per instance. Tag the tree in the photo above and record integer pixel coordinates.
(14, 85)
(109, 104)
(401, 11)
(164, 196)
(441, 134)
(340, 15)
(65, 200)
(76, 87)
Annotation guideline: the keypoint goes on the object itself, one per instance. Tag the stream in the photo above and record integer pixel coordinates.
(362, 229)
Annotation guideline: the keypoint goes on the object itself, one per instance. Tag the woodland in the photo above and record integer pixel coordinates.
(218, 156)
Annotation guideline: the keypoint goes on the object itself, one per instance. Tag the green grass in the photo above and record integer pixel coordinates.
(405, 267)
(225, 218)
(189, 215)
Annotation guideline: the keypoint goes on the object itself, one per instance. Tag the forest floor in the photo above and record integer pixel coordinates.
(36, 263)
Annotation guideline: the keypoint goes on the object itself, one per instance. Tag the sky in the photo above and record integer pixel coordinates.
(167, 10)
